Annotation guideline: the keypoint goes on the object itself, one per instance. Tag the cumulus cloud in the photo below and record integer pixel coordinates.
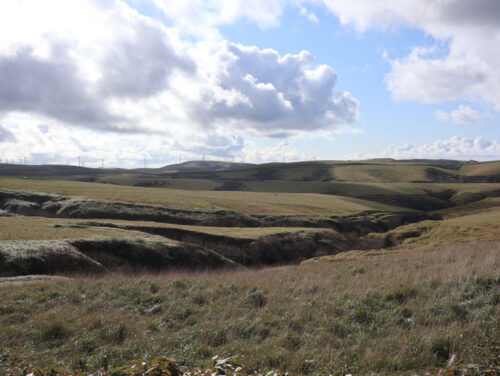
(434, 80)
(461, 148)
(309, 14)
(6, 135)
(470, 28)
(31, 84)
(203, 18)
(44, 140)
(282, 151)
(269, 94)
(465, 69)
(129, 73)
(56, 65)
(462, 115)
(54, 142)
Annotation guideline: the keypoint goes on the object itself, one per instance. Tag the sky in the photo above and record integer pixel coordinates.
(117, 82)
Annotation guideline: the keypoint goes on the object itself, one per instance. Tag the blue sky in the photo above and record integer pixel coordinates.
(358, 59)
(164, 80)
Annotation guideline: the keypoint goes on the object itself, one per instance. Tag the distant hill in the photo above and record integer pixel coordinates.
(52, 170)
(368, 171)
(204, 166)
(221, 175)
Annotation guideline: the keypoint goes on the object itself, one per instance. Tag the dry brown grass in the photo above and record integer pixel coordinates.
(481, 226)
(248, 202)
(40, 228)
(397, 313)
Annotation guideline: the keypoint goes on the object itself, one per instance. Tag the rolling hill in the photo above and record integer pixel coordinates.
(322, 267)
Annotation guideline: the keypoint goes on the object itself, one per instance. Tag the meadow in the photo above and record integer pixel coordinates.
(315, 268)
(248, 202)
(400, 313)
(41, 228)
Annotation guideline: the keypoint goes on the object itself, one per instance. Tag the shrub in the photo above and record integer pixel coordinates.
(87, 346)
(291, 341)
(256, 298)
(361, 315)
(54, 330)
(460, 313)
(217, 338)
(402, 294)
(441, 348)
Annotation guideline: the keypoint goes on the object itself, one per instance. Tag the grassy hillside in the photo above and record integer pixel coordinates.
(480, 226)
(204, 166)
(481, 169)
(40, 228)
(220, 173)
(403, 313)
(412, 276)
(248, 202)
(381, 171)
(273, 197)
(51, 170)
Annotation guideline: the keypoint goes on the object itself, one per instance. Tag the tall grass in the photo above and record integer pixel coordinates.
(401, 313)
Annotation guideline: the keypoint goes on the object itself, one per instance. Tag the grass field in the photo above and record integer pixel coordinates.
(249, 202)
(160, 181)
(481, 169)
(379, 170)
(481, 226)
(39, 228)
(399, 301)
(402, 313)
(380, 173)
(210, 174)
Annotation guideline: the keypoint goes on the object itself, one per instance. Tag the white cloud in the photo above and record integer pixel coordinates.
(462, 115)
(470, 28)
(461, 148)
(466, 69)
(57, 65)
(283, 150)
(309, 14)
(129, 73)
(264, 93)
(202, 18)
(43, 140)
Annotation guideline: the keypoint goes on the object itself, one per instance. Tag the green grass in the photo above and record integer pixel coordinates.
(401, 310)
(39, 228)
(402, 313)
(234, 232)
(381, 170)
(375, 170)
(158, 180)
(481, 169)
(249, 202)
(482, 226)
(380, 173)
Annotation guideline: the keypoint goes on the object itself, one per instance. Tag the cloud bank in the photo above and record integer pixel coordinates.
(47, 141)
(130, 73)
(461, 148)
(462, 115)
